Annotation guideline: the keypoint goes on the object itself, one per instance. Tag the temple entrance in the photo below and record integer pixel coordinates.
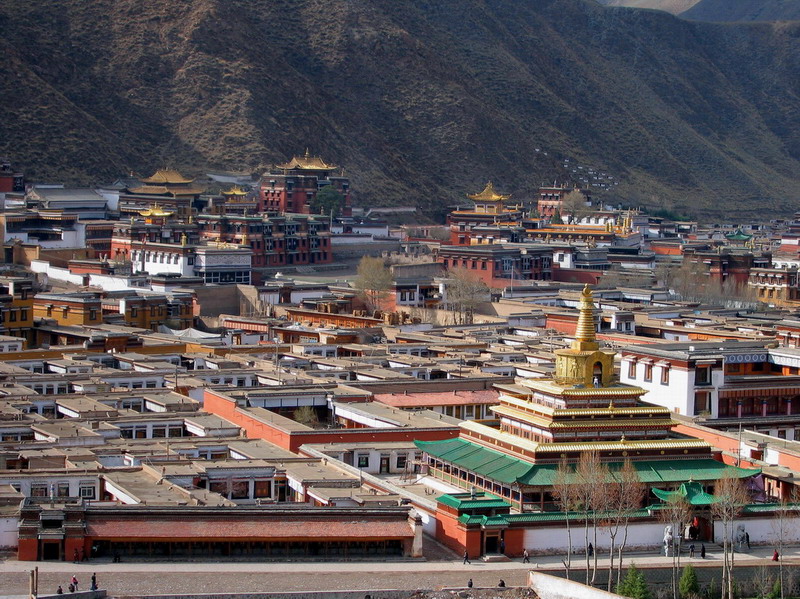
(701, 529)
(51, 550)
(491, 543)
(597, 374)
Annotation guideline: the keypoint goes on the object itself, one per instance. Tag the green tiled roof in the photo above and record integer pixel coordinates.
(502, 468)
(692, 492)
(462, 501)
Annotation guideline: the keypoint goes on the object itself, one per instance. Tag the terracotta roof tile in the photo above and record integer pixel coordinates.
(413, 400)
(131, 529)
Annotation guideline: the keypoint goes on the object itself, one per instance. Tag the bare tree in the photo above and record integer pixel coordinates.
(373, 282)
(625, 493)
(676, 512)
(574, 204)
(731, 496)
(465, 292)
(564, 494)
(591, 476)
(782, 524)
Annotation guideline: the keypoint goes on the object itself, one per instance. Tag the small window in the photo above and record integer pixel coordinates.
(632, 370)
(63, 490)
(87, 492)
(363, 461)
(402, 460)
(665, 375)
(648, 372)
(92, 314)
(38, 490)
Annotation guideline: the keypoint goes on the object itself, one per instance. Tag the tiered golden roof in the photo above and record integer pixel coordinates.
(488, 194)
(307, 162)
(167, 176)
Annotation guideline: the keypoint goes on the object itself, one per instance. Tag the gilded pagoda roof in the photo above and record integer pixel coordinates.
(163, 190)
(167, 176)
(156, 211)
(235, 191)
(488, 194)
(307, 162)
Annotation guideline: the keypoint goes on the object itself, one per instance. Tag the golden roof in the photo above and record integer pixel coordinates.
(488, 194)
(623, 445)
(235, 191)
(307, 162)
(161, 190)
(166, 175)
(156, 211)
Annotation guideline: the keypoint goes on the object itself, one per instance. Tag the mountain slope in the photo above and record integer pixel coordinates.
(675, 7)
(421, 101)
(744, 10)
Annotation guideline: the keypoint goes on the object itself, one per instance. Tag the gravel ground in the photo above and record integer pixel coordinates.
(150, 583)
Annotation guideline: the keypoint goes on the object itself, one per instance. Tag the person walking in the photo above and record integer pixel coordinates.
(94, 581)
(590, 550)
(469, 583)
(466, 558)
(702, 551)
(691, 550)
(747, 539)
(775, 556)
(74, 581)
(526, 558)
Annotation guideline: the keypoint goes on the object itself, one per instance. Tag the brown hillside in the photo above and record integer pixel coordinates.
(421, 100)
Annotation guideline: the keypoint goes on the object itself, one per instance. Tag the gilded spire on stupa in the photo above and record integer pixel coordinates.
(585, 338)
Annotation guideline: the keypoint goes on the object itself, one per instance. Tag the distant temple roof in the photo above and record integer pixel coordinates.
(156, 211)
(235, 191)
(162, 176)
(738, 235)
(307, 162)
(489, 194)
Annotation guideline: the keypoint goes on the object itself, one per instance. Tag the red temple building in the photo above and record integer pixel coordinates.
(292, 186)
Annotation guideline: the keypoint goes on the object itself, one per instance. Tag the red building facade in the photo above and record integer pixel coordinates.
(292, 186)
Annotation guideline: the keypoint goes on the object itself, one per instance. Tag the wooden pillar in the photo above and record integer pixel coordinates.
(739, 408)
(763, 407)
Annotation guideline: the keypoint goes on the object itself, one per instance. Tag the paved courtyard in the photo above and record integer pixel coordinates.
(158, 577)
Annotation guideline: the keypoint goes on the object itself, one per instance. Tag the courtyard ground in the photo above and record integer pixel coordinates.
(162, 577)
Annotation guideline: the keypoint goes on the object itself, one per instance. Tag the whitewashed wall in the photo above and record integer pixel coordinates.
(555, 538)
(9, 532)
